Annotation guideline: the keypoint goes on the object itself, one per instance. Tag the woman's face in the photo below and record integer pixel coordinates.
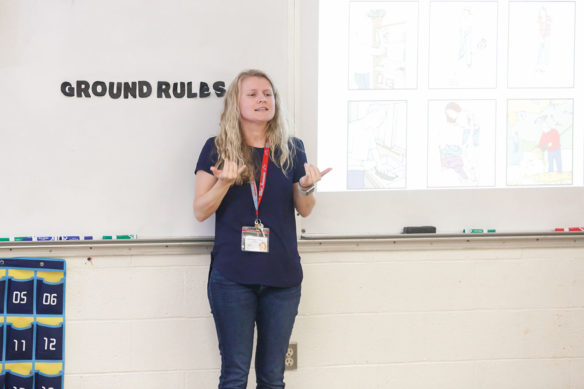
(256, 101)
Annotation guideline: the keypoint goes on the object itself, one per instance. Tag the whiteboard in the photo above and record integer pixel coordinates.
(103, 165)
(450, 211)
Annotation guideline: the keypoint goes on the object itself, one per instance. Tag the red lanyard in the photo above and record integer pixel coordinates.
(257, 197)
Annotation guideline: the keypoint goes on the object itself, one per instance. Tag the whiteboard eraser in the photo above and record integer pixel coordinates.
(419, 230)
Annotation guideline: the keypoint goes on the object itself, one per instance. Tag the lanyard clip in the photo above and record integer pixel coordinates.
(259, 225)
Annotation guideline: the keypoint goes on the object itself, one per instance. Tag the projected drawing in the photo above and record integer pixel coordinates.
(461, 137)
(383, 45)
(539, 142)
(376, 145)
(463, 45)
(541, 44)
(544, 25)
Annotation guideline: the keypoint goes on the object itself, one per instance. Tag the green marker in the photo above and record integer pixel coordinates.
(132, 236)
(4, 239)
(107, 237)
(479, 230)
(23, 238)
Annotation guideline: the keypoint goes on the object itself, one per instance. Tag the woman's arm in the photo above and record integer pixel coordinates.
(211, 189)
(302, 202)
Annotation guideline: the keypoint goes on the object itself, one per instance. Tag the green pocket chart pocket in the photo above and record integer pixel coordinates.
(32, 322)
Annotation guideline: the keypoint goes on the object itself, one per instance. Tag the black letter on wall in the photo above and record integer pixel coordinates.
(219, 88)
(83, 88)
(204, 90)
(67, 89)
(98, 88)
(115, 94)
(144, 89)
(190, 93)
(178, 93)
(130, 89)
(163, 88)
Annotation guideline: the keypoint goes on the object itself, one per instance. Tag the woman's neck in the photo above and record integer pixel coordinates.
(254, 135)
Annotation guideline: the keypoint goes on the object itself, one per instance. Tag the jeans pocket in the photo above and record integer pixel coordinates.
(216, 285)
(218, 278)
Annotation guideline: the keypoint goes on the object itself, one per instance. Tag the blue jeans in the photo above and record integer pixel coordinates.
(236, 309)
(555, 155)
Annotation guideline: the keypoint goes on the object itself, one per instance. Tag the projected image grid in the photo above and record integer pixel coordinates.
(462, 138)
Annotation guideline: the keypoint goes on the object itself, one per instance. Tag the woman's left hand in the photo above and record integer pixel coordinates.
(313, 175)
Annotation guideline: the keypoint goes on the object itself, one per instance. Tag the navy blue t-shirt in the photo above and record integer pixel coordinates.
(281, 266)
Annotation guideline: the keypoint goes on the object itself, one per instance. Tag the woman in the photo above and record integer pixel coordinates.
(253, 176)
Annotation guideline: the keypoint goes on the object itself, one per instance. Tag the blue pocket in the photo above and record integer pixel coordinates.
(2, 292)
(15, 380)
(1, 340)
(49, 298)
(19, 343)
(43, 381)
(20, 297)
(49, 342)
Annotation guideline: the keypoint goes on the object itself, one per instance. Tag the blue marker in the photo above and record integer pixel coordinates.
(88, 237)
(23, 239)
(69, 237)
(44, 238)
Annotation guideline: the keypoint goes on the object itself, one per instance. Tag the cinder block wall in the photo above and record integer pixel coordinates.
(372, 316)
(453, 318)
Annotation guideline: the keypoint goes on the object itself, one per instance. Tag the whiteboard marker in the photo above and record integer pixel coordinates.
(69, 237)
(479, 231)
(120, 237)
(569, 229)
(23, 238)
(44, 238)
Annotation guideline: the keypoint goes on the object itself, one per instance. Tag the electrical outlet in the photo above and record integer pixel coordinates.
(292, 357)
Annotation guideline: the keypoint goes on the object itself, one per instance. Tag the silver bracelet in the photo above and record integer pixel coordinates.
(308, 191)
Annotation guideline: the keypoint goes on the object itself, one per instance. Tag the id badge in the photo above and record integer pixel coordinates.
(255, 239)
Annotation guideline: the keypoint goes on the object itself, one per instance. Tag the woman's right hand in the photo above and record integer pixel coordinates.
(210, 189)
(229, 173)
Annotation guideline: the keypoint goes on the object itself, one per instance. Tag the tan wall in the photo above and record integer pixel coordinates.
(384, 314)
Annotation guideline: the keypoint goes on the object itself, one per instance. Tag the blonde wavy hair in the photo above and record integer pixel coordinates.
(230, 142)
